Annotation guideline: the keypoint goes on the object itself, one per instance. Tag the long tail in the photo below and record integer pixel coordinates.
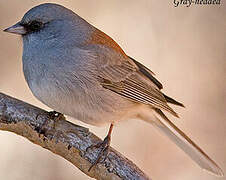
(184, 142)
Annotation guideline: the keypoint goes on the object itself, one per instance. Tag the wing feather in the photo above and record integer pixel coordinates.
(126, 80)
(148, 73)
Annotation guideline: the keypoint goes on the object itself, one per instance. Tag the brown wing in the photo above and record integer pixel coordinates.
(148, 73)
(125, 79)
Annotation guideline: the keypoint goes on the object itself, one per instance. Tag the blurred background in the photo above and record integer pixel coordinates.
(185, 47)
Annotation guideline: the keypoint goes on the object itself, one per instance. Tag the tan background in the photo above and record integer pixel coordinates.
(185, 47)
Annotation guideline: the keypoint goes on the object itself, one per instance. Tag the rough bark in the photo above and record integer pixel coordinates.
(68, 140)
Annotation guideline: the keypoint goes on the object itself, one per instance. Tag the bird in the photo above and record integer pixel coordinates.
(78, 70)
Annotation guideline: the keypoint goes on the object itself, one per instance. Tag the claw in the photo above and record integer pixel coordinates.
(55, 115)
(51, 115)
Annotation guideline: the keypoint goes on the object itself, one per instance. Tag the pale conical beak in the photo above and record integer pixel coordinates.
(16, 29)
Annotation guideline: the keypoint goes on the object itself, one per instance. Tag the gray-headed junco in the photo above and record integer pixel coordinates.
(78, 70)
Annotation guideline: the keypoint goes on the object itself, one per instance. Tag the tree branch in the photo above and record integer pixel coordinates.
(65, 139)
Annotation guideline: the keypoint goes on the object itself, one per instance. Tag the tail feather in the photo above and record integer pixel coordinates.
(185, 143)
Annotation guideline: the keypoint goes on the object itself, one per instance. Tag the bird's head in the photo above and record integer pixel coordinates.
(51, 21)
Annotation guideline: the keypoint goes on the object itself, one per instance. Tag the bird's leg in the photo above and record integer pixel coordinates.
(51, 115)
(105, 144)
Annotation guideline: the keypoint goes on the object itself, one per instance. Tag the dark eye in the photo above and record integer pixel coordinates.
(35, 26)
